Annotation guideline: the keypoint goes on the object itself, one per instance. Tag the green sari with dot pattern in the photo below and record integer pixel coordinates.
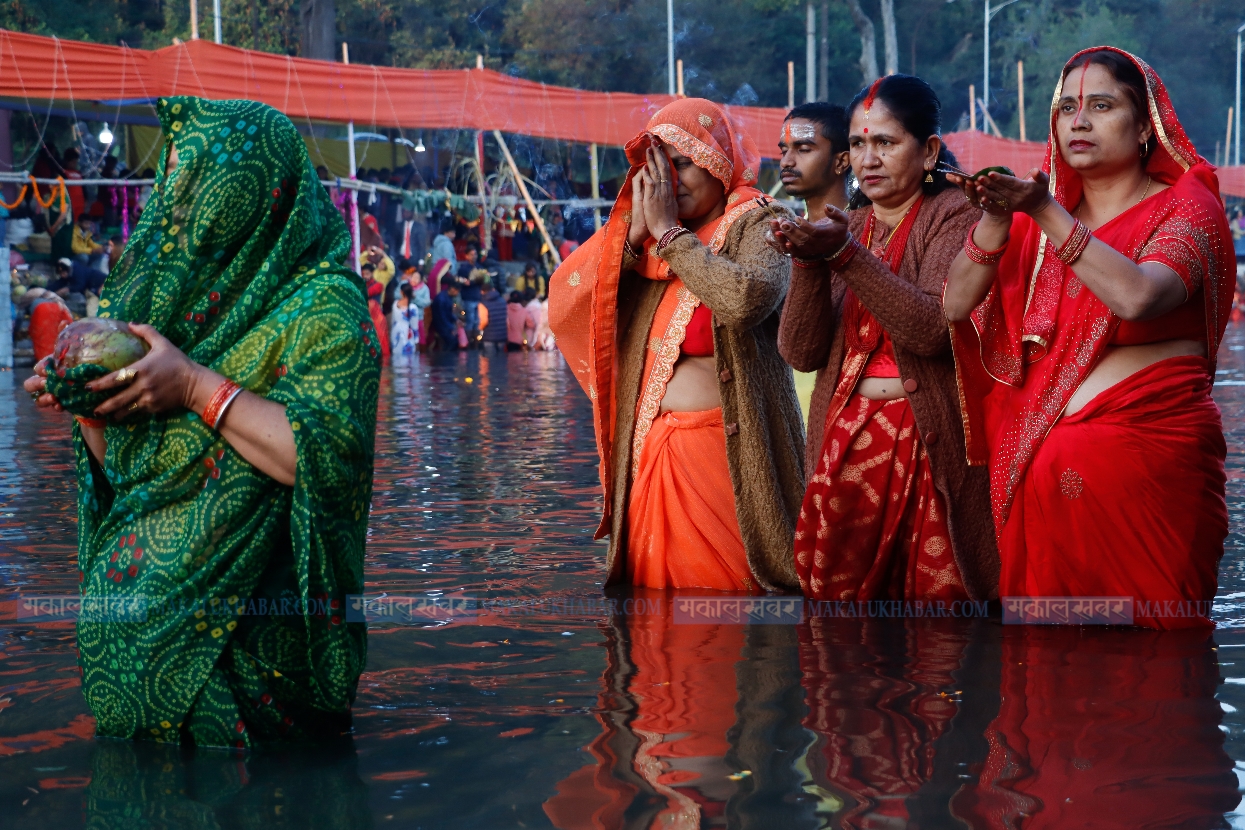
(238, 261)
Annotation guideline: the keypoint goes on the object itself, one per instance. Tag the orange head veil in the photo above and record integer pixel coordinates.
(583, 292)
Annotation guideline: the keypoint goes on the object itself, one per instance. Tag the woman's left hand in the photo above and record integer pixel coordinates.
(1000, 195)
(162, 380)
(661, 206)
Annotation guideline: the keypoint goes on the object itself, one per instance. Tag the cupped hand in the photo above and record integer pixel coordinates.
(1001, 195)
(37, 386)
(809, 240)
(661, 206)
(164, 379)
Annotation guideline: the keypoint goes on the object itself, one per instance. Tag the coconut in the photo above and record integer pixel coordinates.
(100, 341)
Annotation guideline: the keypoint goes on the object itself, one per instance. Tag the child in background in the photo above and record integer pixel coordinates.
(516, 320)
(404, 328)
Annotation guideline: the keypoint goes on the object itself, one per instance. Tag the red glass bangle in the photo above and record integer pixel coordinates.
(94, 423)
(1075, 244)
(669, 236)
(221, 398)
(845, 254)
(980, 255)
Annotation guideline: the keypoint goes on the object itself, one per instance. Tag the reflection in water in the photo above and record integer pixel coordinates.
(905, 724)
(1104, 728)
(159, 786)
(557, 711)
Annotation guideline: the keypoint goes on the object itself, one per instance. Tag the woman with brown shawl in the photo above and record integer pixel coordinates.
(892, 512)
(669, 318)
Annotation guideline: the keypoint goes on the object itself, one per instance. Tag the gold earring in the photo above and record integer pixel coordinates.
(929, 177)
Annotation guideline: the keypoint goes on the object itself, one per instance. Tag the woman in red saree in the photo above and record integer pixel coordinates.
(669, 318)
(1088, 307)
(892, 512)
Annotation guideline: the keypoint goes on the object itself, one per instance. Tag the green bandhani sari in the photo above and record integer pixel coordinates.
(237, 260)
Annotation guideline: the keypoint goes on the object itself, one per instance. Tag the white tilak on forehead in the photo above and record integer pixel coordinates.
(799, 132)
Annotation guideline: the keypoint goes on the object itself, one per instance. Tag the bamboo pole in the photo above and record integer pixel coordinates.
(1020, 91)
(194, 19)
(486, 219)
(1227, 141)
(527, 197)
(679, 70)
(790, 85)
(595, 176)
(972, 107)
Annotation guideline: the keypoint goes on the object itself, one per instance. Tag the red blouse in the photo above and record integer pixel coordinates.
(1172, 244)
(698, 338)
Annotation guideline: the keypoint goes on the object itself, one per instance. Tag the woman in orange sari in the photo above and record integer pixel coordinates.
(669, 318)
(1088, 306)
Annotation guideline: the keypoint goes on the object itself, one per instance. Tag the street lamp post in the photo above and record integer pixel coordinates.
(1237, 152)
(991, 11)
(670, 44)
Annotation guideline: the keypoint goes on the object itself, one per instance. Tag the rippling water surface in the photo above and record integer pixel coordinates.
(553, 709)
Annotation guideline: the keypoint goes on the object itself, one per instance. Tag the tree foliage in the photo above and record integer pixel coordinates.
(734, 51)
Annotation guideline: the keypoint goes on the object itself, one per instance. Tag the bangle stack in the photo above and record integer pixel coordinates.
(628, 250)
(93, 423)
(669, 236)
(979, 255)
(219, 402)
(1075, 244)
(839, 259)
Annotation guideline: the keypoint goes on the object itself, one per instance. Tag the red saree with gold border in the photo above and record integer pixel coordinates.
(1126, 497)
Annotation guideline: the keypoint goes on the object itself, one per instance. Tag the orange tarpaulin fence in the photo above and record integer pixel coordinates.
(39, 69)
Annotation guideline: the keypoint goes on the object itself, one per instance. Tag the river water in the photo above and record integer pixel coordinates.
(555, 705)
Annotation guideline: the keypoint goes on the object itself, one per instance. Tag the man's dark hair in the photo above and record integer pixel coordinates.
(86, 217)
(832, 119)
(473, 246)
(367, 266)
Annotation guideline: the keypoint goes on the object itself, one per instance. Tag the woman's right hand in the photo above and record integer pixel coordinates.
(638, 232)
(810, 240)
(37, 386)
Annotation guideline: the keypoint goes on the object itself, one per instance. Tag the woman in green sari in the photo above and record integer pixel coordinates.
(234, 519)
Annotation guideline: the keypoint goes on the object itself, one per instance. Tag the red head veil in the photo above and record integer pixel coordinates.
(583, 292)
(1017, 368)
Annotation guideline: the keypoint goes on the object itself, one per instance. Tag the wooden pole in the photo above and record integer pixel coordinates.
(194, 19)
(1227, 142)
(595, 176)
(354, 194)
(972, 107)
(1020, 91)
(679, 71)
(527, 198)
(486, 219)
(790, 85)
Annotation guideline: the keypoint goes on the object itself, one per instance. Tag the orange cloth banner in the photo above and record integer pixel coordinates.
(40, 69)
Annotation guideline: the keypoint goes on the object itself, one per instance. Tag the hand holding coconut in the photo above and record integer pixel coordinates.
(104, 368)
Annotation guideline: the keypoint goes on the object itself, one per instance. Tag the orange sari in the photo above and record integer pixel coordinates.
(681, 521)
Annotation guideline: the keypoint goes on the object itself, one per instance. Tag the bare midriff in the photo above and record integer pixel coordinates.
(693, 387)
(1119, 362)
(881, 389)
